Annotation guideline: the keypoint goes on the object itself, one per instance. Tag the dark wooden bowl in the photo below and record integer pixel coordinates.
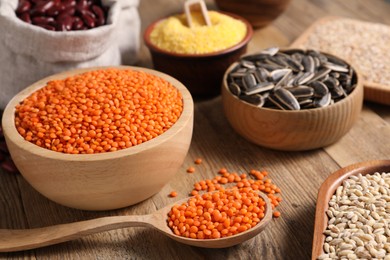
(201, 73)
(329, 187)
(259, 13)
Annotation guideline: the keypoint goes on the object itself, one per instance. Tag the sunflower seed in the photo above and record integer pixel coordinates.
(260, 87)
(235, 89)
(302, 91)
(286, 98)
(311, 79)
(256, 99)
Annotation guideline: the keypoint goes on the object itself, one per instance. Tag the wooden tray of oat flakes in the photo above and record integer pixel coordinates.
(364, 44)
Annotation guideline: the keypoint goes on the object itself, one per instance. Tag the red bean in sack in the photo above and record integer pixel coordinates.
(62, 15)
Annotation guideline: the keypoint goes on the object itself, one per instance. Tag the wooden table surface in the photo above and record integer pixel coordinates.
(298, 174)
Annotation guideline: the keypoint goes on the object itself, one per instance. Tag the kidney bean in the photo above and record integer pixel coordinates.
(88, 19)
(43, 20)
(1, 133)
(9, 166)
(23, 6)
(41, 8)
(100, 18)
(69, 3)
(3, 147)
(3, 156)
(64, 23)
(62, 14)
(47, 26)
(55, 9)
(78, 24)
(82, 5)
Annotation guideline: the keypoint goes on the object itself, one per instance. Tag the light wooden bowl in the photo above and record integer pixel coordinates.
(259, 13)
(329, 187)
(301, 130)
(107, 180)
(201, 73)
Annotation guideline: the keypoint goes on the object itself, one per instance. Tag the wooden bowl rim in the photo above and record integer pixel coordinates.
(359, 84)
(328, 188)
(243, 42)
(11, 132)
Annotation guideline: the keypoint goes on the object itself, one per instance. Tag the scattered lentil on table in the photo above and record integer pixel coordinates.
(363, 44)
(173, 194)
(359, 219)
(198, 161)
(99, 111)
(174, 35)
(191, 169)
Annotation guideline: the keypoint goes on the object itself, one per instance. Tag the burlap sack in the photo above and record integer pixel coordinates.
(29, 53)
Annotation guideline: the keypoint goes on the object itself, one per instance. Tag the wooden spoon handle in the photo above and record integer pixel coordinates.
(197, 5)
(24, 239)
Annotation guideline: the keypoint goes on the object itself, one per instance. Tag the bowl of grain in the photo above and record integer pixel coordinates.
(199, 55)
(100, 138)
(351, 216)
(293, 99)
(259, 13)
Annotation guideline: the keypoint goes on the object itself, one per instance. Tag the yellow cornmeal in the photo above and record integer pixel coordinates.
(174, 35)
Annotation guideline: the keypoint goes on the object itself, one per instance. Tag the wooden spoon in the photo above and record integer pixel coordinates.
(12, 240)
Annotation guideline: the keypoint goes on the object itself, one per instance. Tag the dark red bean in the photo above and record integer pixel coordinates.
(23, 6)
(69, 11)
(41, 8)
(3, 156)
(78, 24)
(55, 9)
(47, 27)
(88, 20)
(69, 3)
(43, 20)
(64, 23)
(100, 18)
(25, 17)
(3, 147)
(9, 166)
(61, 14)
(82, 5)
(1, 133)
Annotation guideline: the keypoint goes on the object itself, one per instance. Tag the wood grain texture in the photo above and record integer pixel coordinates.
(298, 174)
(13, 240)
(327, 190)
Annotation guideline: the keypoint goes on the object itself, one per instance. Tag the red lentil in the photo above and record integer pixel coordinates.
(190, 169)
(215, 215)
(99, 111)
(260, 183)
(173, 194)
(198, 161)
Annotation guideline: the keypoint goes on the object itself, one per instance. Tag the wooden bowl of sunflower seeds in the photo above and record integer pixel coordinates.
(352, 213)
(292, 99)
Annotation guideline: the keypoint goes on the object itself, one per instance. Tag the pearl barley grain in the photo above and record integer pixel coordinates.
(364, 44)
(358, 229)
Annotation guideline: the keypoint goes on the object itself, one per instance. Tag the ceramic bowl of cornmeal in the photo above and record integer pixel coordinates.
(199, 55)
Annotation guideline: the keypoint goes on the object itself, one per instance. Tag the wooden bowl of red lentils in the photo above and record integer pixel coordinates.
(100, 138)
(198, 56)
(293, 99)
